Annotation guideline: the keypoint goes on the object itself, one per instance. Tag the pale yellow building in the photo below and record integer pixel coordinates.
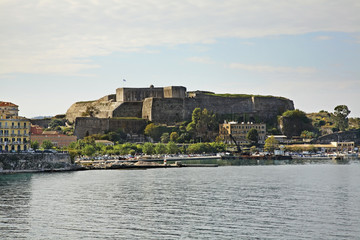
(240, 130)
(14, 130)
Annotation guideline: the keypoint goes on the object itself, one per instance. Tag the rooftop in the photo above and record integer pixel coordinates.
(7, 104)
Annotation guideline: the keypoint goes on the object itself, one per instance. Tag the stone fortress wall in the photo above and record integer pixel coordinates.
(86, 126)
(174, 104)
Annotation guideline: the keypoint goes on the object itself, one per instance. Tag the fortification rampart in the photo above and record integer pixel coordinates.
(347, 136)
(176, 109)
(128, 109)
(173, 104)
(85, 126)
(138, 94)
(101, 108)
(44, 123)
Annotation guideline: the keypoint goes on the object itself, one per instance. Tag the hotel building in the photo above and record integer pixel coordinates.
(14, 130)
(240, 130)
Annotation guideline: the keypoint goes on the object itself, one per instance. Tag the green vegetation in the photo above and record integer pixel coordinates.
(253, 136)
(203, 125)
(160, 148)
(148, 148)
(47, 144)
(294, 122)
(90, 111)
(341, 114)
(308, 135)
(56, 123)
(325, 122)
(271, 144)
(155, 131)
(34, 145)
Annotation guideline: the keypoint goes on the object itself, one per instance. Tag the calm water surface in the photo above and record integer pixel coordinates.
(245, 202)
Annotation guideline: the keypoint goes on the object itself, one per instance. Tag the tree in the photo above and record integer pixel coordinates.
(160, 148)
(165, 137)
(154, 131)
(174, 136)
(293, 122)
(202, 124)
(90, 111)
(253, 136)
(148, 148)
(341, 117)
(89, 150)
(47, 144)
(54, 123)
(172, 148)
(218, 147)
(34, 144)
(253, 149)
(271, 144)
(308, 135)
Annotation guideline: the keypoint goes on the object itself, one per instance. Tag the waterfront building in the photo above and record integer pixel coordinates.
(281, 139)
(340, 147)
(239, 131)
(14, 130)
(57, 139)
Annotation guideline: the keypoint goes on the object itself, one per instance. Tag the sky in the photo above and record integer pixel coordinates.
(54, 53)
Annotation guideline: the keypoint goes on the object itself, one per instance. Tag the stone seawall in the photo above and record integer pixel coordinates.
(34, 162)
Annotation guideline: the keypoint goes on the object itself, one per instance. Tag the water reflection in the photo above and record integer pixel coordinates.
(252, 202)
(15, 196)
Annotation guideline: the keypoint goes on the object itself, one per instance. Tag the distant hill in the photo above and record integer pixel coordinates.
(42, 117)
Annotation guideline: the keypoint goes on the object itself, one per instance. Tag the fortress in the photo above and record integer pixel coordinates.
(174, 104)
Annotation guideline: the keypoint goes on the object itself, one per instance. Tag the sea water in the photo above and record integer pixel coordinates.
(237, 202)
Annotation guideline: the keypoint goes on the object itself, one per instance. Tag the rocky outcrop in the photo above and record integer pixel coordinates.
(102, 108)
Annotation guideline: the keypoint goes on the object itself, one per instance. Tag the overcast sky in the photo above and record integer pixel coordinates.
(54, 53)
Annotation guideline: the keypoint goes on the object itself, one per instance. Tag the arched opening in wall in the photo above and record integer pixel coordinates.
(87, 134)
(25, 148)
(6, 148)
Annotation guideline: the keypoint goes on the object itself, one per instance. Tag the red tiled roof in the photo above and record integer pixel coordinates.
(7, 104)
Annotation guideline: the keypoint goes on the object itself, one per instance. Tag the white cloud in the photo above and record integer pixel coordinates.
(323, 38)
(204, 60)
(41, 36)
(271, 69)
